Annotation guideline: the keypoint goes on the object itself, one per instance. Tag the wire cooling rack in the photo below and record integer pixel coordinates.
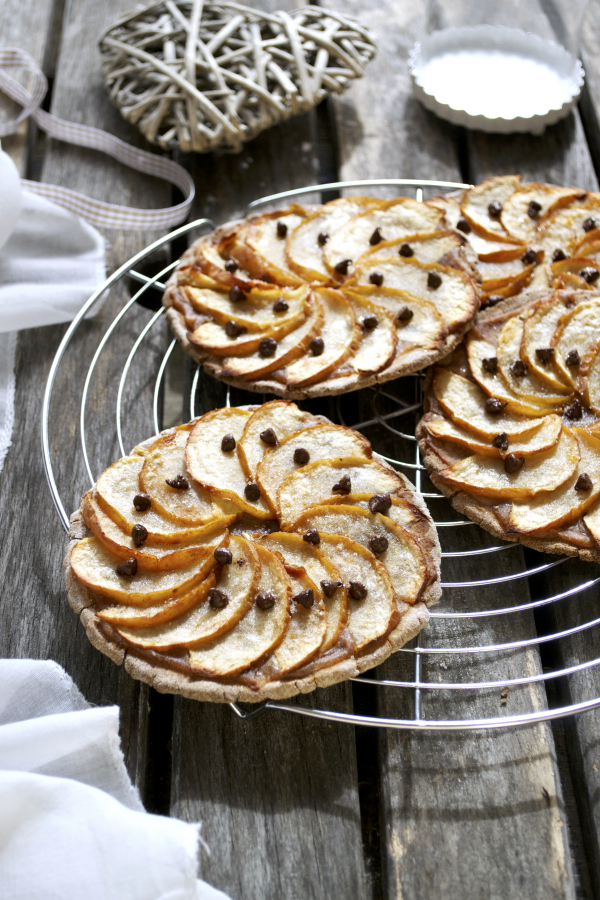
(394, 412)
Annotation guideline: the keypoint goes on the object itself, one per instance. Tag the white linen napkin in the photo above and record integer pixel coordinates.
(71, 822)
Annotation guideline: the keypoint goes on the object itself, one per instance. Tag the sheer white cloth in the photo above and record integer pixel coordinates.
(71, 822)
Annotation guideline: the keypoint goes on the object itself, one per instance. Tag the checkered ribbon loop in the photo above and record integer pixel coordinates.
(97, 212)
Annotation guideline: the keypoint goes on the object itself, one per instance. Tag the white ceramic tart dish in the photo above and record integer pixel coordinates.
(511, 432)
(254, 553)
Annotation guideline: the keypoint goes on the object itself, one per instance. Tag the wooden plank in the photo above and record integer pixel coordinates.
(464, 814)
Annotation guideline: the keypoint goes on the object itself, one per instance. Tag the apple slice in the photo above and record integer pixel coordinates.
(567, 274)
(294, 551)
(588, 245)
(588, 383)
(402, 512)
(578, 330)
(543, 472)
(236, 584)
(532, 203)
(314, 483)
(427, 248)
(401, 554)
(289, 348)
(306, 630)
(563, 229)
(280, 417)
(482, 205)
(392, 219)
(379, 336)
(304, 246)
(192, 275)
(419, 325)
(496, 275)
(260, 244)
(158, 613)
(543, 439)
(115, 492)
(256, 312)
(150, 557)
(319, 442)
(464, 402)
(538, 330)
(515, 372)
(257, 634)
(373, 617)
(455, 296)
(164, 462)
(211, 256)
(96, 567)
(494, 251)
(220, 471)
(566, 503)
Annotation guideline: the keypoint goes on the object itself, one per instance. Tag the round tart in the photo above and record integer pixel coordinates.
(307, 301)
(254, 553)
(512, 426)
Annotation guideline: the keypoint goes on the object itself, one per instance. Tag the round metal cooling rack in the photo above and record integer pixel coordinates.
(388, 420)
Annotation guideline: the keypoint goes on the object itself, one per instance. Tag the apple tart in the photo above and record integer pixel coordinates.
(256, 552)
(511, 431)
(307, 301)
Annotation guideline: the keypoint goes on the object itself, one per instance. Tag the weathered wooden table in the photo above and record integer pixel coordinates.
(294, 807)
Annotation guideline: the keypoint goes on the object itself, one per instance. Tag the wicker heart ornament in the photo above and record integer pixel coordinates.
(207, 76)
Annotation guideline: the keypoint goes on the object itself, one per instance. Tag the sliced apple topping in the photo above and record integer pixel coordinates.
(565, 228)
(516, 372)
(258, 633)
(260, 244)
(306, 630)
(513, 479)
(419, 325)
(494, 251)
(217, 612)
(482, 206)
(426, 248)
(530, 204)
(577, 330)
(379, 336)
(538, 330)
(589, 377)
(266, 428)
(317, 481)
(158, 613)
(499, 445)
(256, 311)
(577, 273)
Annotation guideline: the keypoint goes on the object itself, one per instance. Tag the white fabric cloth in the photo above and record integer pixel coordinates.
(71, 822)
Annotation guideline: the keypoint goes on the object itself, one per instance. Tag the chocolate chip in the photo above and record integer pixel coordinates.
(281, 229)
(463, 225)
(323, 238)
(252, 492)
(405, 315)
(217, 599)
(330, 587)
(589, 224)
(236, 294)
(227, 443)
(584, 482)
(574, 410)
(376, 237)
(280, 305)
(223, 556)
(380, 503)
(370, 322)
(378, 544)
(357, 590)
(267, 347)
(301, 456)
(529, 257)
(128, 567)
(241, 561)
(233, 330)
(316, 346)
(513, 463)
(268, 436)
(231, 266)
(343, 266)
(493, 299)
(493, 406)
(558, 255)
(490, 364)
(573, 358)
(305, 598)
(142, 502)
(545, 354)
(534, 209)
(312, 536)
(343, 486)
(494, 209)
(266, 278)
(266, 601)
(376, 278)
(139, 535)
(500, 442)
(589, 274)
(519, 368)
(406, 250)
(434, 279)
(180, 483)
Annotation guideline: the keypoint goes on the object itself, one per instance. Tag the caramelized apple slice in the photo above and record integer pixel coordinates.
(515, 371)
(563, 229)
(260, 244)
(318, 442)
(419, 326)
(578, 330)
(158, 613)
(219, 470)
(482, 206)
(206, 620)
(391, 544)
(294, 551)
(588, 383)
(496, 275)
(569, 274)
(306, 630)
(275, 421)
(257, 634)
(494, 251)
(427, 248)
(538, 330)
(543, 472)
(317, 481)
(530, 204)
(379, 336)
(256, 311)
(543, 439)
(402, 512)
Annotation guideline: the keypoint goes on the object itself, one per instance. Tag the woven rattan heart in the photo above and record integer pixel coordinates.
(208, 76)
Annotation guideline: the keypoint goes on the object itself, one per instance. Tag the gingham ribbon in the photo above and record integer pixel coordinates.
(97, 212)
